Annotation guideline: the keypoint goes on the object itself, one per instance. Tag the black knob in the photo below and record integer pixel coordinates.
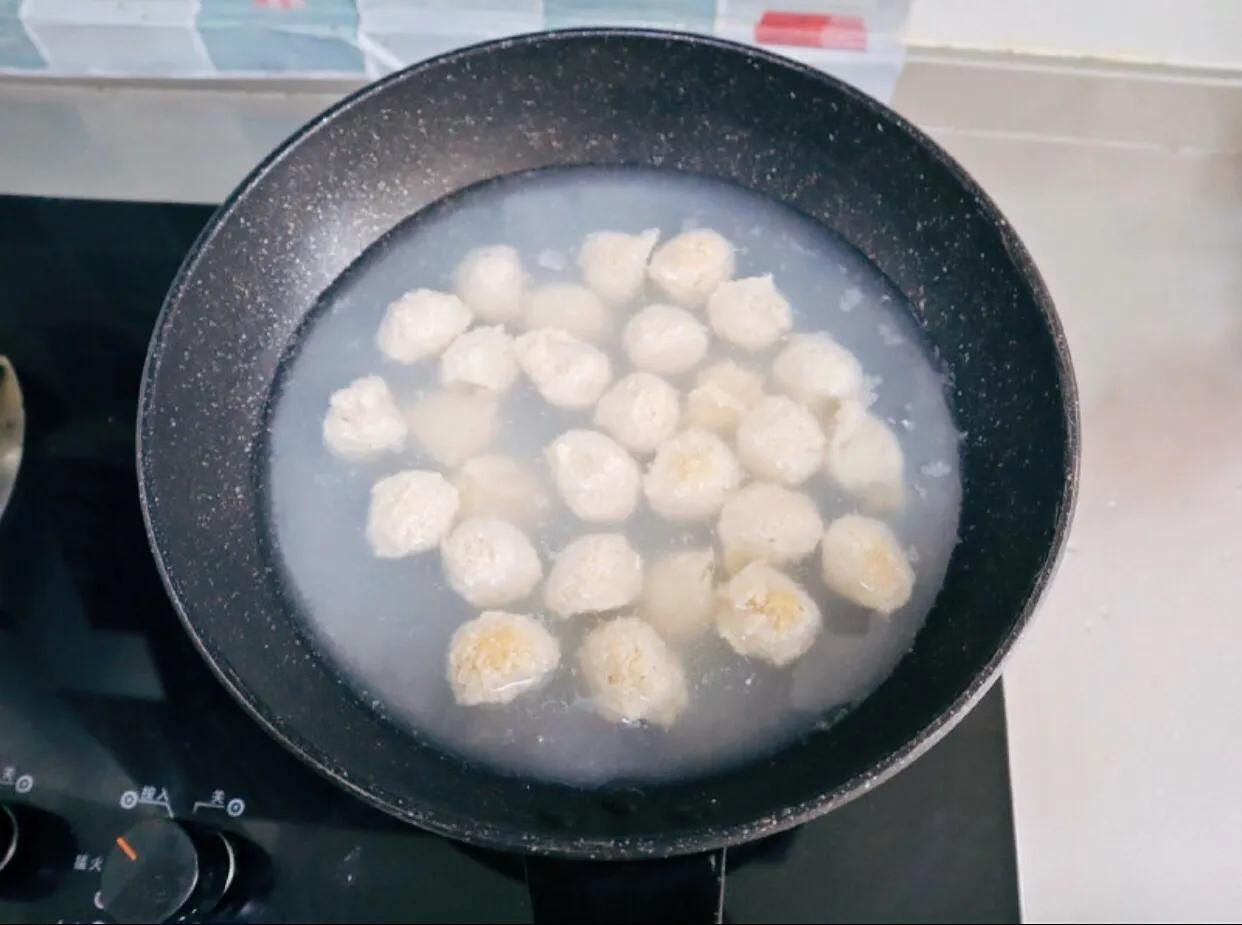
(9, 835)
(162, 871)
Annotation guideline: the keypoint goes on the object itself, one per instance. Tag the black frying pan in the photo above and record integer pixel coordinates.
(601, 97)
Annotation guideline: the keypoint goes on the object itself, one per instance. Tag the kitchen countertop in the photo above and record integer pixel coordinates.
(1126, 185)
(1124, 696)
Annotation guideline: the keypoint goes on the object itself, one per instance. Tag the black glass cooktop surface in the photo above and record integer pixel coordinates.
(108, 717)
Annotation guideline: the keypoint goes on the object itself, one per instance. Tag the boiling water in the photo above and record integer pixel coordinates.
(386, 623)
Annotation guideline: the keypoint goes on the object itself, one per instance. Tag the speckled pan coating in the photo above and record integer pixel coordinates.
(601, 97)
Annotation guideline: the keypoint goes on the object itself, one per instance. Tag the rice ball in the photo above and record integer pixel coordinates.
(780, 441)
(596, 572)
(817, 371)
(664, 339)
(766, 614)
(421, 324)
(497, 656)
(501, 486)
(363, 421)
(410, 512)
(864, 563)
(750, 313)
(566, 371)
(864, 458)
(768, 523)
(596, 477)
(678, 594)
(633, 676)
(722, 393)
(453, 426)
(640, 411)
(490, 281)
(691, 476)
(568, 307)
(689, 266)
(614, 263)
(489, 562)
(482, 358)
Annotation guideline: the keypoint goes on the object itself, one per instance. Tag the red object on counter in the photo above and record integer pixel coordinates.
(812, 30)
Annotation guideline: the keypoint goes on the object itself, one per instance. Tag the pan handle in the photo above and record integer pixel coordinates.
(688, 890)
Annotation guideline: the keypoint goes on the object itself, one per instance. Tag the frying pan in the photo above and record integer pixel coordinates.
(601, 97)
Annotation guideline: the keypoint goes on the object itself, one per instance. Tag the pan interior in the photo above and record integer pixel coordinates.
(384, 625)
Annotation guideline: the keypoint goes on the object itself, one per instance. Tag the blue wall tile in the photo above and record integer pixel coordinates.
(697, 15)
(318, 35)
(16, 49)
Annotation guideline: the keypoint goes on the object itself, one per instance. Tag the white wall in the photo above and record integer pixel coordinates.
(1189, 33)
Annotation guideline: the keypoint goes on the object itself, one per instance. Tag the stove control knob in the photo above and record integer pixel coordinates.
(163, 871)
(10, 834)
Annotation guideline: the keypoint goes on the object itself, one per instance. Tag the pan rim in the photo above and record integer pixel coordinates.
(694, 839)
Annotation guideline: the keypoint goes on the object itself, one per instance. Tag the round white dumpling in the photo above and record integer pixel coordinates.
(567, 372)
(817, 371)
(722, 393)
(768, 523)
(421, 324)
(678, 594)
(596, 572)
(691, 476)
(750, 313)
(690, 266)
(864, 563)
(766, 614)
(632, 674)
(482, 358)
(568, 307)
(640, 411)
(410, 512)
(596, 477)
(490, 281)
(864, 457)
(489, 562)
(453, 426)
(497, 656)
(503, 487)
(363, 421)
(614, 263)
(780, 441)
(664, 339)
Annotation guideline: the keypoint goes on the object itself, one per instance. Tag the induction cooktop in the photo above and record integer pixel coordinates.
(116, 739)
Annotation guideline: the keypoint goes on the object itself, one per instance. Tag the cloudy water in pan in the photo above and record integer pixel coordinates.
(715, 673)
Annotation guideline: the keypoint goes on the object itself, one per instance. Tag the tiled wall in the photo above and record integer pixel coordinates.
(196, 38)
